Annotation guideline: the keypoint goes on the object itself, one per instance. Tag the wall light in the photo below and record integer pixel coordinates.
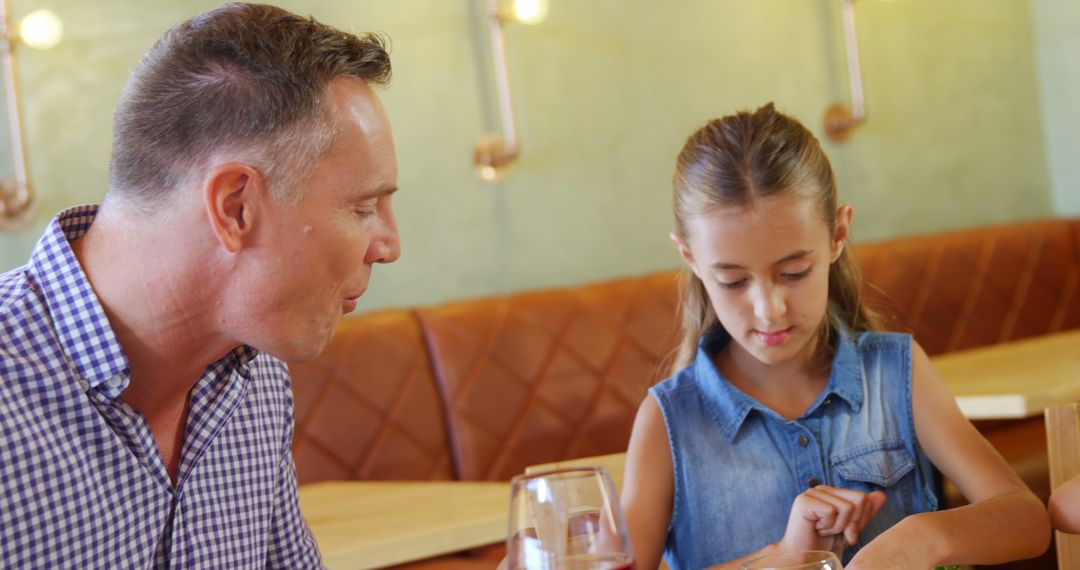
(838, 120)
(529, 12)
(495, 154)
(39, 29)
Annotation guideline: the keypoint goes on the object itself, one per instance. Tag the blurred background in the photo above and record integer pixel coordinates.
(972, 119)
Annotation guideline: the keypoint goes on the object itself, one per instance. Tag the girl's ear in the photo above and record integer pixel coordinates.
(843, 227)
(684, 252)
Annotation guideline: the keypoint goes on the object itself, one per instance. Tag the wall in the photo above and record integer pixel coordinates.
(1057, 27)
(606, 91)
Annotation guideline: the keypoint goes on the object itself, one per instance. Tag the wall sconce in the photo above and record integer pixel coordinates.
(40, 29)
(495, 154)
(838, 121)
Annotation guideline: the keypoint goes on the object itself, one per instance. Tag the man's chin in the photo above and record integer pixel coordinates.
(301, 350)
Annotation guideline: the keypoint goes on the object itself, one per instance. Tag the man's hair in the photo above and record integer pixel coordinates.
(244, 82)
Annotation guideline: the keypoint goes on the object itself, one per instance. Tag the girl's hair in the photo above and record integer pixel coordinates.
(735, 160)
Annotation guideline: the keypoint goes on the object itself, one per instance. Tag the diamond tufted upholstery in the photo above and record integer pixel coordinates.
(982, 286)
(538, 377)
(368, 407)
(477, 390)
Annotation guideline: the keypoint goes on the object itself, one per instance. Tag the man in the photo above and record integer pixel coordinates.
(146, 418)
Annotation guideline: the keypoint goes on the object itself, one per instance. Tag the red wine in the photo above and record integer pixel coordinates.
(595, 562)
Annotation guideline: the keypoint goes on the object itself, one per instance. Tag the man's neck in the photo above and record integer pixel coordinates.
(159, 306)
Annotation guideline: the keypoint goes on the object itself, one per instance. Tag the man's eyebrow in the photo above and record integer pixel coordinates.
(377, 193)
(789, 257)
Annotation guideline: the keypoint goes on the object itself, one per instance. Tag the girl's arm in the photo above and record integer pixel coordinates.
(818, 518)
(648, 485)
(1065, 506)
(1004, 520)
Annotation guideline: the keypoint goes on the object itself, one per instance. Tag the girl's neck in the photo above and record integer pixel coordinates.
(788, 388)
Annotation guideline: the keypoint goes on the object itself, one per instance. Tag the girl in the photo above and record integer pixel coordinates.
(789, 422)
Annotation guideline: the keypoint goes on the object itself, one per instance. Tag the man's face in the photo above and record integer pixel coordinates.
(318, 254)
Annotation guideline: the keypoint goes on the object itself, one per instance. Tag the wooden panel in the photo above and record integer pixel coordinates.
(1063, 448)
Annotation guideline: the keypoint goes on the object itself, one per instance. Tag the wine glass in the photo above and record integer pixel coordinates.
(808, 560)
(567, 519)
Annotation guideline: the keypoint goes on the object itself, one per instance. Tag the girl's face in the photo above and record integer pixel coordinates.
(766, 270)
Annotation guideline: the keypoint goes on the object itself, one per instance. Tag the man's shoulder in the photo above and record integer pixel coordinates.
(25, 324)
(14, 287)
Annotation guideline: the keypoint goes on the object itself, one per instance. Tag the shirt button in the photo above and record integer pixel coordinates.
(828, 401)
(803, 441)
(84, 385)
(813, 482)
(114, 381)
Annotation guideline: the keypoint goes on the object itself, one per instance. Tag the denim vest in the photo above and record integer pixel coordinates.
(739, 465)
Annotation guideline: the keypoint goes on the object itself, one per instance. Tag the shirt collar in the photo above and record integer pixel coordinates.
(83, 329)
(730, 406)
(80, 322)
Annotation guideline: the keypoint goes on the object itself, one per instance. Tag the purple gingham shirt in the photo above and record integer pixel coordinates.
(82, 484)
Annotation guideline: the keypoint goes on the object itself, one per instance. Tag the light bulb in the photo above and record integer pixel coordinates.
(41, 29)
(530, 11)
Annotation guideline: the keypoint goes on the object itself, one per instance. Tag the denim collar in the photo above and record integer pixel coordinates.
(730, 406)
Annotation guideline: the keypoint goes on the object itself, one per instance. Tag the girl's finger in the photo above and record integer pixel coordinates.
(839, 510)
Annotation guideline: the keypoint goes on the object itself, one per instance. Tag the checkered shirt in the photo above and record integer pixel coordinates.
(82, 484)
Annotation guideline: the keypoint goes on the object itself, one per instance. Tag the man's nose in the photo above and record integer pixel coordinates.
(386, 248)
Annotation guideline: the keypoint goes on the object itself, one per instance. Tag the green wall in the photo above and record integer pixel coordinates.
(606, 91)
(1057, 27)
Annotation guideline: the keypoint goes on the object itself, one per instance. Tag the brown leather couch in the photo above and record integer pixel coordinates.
(477, 390)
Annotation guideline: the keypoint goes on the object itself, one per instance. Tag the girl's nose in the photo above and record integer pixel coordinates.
(769, 306)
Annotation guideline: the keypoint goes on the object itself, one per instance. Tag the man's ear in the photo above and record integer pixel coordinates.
(233, 194)
(684, 252)
(843, 228)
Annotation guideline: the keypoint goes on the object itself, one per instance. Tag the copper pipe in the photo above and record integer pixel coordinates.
(495, 154)
(16, 198)
(838, 121)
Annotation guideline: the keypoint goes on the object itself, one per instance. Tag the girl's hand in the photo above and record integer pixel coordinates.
(823, 516)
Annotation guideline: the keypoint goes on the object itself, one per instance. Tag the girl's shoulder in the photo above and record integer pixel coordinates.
(680, 381)
(869, 341)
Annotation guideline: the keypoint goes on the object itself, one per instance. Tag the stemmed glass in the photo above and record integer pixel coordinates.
(808, 560)
(567, 519)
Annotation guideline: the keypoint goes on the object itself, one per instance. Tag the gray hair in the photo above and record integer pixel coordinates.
(243, 82)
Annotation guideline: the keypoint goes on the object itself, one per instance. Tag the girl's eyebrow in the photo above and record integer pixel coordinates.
(789, 257)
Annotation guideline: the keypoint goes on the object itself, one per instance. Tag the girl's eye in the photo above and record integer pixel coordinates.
(795, 276)
(733, 284)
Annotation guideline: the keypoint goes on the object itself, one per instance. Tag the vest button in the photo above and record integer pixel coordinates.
(803, 441)
(813, 482)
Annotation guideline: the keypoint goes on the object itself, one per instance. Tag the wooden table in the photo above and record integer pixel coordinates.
(1016, 379)
(362, 524)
